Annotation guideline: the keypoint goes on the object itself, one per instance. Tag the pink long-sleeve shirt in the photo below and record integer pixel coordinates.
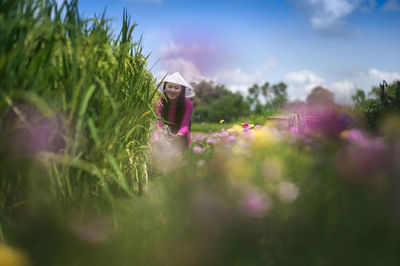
(187, 113)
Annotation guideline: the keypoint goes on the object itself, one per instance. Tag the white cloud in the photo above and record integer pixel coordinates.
(300, 83)
(392, 5)
(186, 68)
(388, 76)
(235, 79)
(343, 90)
(363, 79)
(328, 16)
(238, 80)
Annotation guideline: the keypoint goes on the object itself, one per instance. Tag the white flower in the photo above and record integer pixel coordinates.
(288, 191)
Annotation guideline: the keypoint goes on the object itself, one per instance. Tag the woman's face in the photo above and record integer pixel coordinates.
(173, 90)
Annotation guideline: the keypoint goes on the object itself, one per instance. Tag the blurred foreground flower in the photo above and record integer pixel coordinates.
(95, 231)
(12, 257)
(263, 137)
(237, 129)
(294, 130)
(272, 169)
(197, 149)
(255, 204)
(166, 149)
(200, 163)
(359, 138)
(211, 141)
(288, 191)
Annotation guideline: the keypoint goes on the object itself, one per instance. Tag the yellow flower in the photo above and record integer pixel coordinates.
(237, 129)
(237, 169)
(230, 130)
(12, 257)
(251, 126)
(263, 137)
(272, 169)
(271, 123)
(222, 121)
(344, 133)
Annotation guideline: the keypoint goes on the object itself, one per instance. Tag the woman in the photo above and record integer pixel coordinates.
(176, 108)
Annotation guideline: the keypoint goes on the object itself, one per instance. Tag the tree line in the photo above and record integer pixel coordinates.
(214, 102)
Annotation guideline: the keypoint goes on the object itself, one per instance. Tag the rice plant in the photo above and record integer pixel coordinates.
(75, 109)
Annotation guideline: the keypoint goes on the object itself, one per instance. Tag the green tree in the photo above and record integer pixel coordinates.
(254, 94)
(215, 102)
(279, 95)
(229, 107)
(320, 95)
(274, 96)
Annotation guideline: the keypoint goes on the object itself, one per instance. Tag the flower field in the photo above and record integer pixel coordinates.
(81, 183)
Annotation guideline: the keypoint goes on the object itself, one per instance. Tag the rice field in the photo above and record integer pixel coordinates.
(81, 182)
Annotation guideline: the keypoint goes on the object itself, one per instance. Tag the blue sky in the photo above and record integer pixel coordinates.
(339, 44)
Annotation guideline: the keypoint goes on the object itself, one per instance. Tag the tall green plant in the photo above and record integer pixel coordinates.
(76, 105)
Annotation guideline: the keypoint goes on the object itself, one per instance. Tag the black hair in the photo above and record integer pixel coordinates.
(180, 107)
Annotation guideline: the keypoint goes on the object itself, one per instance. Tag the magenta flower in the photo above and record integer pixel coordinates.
(197, 149)
(294, 130)
(245, 124)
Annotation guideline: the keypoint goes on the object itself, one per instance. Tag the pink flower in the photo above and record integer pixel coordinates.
(224, 134)
(245, 124)
(231, 138)
(256, 204)
(356, 136)
(199, 138)
(198, 149)
(211, 141)
(294, 130)
(258, 126)
(223, 141)
(216, 135)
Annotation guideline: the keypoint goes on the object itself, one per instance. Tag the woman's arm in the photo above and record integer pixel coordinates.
(186, 118)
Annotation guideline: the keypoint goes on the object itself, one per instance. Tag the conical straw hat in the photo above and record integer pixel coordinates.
(178, 79)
